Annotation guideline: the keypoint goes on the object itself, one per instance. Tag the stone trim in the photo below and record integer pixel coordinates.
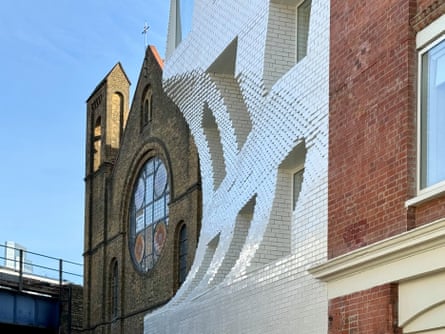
(406, 255)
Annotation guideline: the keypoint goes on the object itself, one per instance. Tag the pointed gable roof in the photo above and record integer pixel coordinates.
(156, 55)
(117, 67)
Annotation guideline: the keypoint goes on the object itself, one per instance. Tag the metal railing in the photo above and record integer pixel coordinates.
(18, 262)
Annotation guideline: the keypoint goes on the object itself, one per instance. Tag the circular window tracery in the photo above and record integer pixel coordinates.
(149, 214)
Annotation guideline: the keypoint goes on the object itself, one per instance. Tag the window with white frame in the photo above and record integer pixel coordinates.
(303, 15)
(432, 113)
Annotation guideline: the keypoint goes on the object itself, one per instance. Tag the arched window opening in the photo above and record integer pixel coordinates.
(182, 261)
(117, 114)
(149, 214)
(147, 107)
(97, 143)
(114, 289)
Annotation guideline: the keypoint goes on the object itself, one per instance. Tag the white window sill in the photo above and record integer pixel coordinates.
(427, 195)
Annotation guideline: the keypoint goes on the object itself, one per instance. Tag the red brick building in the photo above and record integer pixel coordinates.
(386, 210)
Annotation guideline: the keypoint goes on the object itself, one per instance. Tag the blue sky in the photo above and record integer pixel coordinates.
(53, 54)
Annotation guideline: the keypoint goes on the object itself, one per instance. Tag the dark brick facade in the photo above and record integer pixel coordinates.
(71, 309)
(109, 186)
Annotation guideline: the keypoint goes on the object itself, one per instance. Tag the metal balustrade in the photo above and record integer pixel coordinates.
(24, 270)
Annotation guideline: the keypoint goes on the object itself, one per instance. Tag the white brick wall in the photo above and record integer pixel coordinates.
(250, 271)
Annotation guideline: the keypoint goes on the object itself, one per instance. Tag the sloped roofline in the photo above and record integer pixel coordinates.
(158, 58)
(104, 80)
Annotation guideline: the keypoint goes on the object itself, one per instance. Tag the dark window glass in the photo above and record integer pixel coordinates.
(114, 289)
(182, 254)
(303, 16)
(296, 186)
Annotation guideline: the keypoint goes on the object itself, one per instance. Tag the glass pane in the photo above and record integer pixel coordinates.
(139, 194)
(149, 216)
(296, 188)
(160, 180)
(158, 210)
(303, 15)
(432, 119)
(140, 222)
(149, 168)
(149, 189)
(149, 240)
(160, 235)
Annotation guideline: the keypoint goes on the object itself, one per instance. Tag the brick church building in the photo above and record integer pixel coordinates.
(142, 200)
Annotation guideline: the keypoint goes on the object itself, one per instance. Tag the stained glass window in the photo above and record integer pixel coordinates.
(149, 214)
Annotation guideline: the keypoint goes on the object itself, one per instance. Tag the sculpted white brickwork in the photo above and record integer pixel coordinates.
(257, 116)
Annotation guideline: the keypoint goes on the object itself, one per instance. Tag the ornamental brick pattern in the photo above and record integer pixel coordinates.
(255, 115)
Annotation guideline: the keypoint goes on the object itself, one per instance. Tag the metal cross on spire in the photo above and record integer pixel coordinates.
(144, 32)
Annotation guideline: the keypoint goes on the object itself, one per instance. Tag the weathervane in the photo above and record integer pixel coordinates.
(144, 32)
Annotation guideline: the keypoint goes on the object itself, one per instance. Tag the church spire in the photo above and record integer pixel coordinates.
(174, 36)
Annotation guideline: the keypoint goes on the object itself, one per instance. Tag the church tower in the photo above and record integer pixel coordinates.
(143, 200)
(107, 113)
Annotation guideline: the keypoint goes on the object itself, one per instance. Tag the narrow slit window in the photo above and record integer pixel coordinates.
(114, 290)
(297, 181)
(147, 107)
(303, 18)
(97, 143)
(183, 246)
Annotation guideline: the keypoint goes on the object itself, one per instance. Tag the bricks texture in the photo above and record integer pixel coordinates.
(372, 122)
(255, 114)
(345, 114)
(372, 143)
(368, 312)
(119, 142)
